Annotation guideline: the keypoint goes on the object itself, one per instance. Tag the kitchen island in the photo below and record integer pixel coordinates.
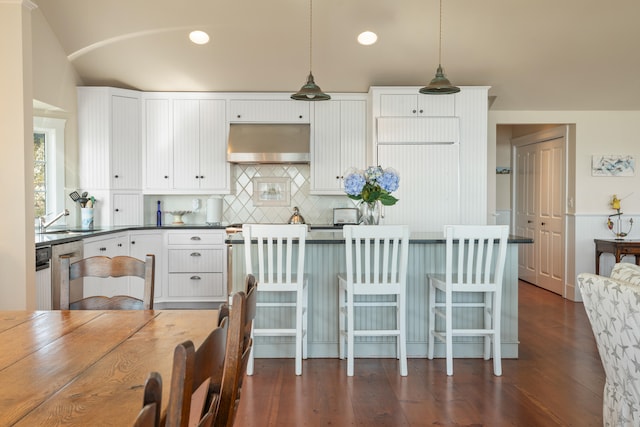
(325, 258)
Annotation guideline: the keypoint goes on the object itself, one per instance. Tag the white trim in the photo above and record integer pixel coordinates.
(54, 130)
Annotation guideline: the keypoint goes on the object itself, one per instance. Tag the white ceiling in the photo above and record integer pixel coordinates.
(535, 54)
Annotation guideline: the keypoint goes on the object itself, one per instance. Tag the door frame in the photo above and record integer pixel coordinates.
(561, 131)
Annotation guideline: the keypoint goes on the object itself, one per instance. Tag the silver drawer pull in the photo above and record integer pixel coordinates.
(195, 278)
(196, 254)
(196, 238)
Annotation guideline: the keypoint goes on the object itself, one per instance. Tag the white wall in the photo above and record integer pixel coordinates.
(596, 132)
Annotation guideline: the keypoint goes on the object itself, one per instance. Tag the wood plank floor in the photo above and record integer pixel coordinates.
(557, 381)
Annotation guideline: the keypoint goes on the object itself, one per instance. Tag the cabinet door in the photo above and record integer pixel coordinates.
(399, 105)
(408, 105)
(214, 169)
(339, 143)
(265, 111)
(141, 244)
(127, 209)
(186, 144)
(325, 164)
(158, 144)
(125, 143)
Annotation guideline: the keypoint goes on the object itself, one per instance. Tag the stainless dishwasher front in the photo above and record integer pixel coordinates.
(76, 251)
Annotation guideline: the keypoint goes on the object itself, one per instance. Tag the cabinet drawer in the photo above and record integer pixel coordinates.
(195, 259)
(196, 238)
(196, 285)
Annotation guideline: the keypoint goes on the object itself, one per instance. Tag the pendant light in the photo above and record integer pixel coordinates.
(440, 85)
(310, 91)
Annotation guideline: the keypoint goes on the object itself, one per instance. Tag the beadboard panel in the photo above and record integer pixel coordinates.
(126, 151)
(274, 111)
(471, 107)
(429, 185)
(94, 130)
(195, 260)
(418, 130)
(323, 263)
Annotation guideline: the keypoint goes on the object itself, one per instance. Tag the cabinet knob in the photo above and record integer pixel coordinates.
(102, 249)
(300, 116)
(413, 111)
(116, 176)
(239, 115)
(117, 210)
(133, 242)
(337, 177)
(543, 223)
(119, 245)
(166, 177)
(195, 238)
(195, 254)
(421, 111)
(195, 277)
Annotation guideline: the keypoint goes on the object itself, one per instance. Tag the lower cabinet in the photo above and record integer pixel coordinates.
(196, 271)
(142, 243)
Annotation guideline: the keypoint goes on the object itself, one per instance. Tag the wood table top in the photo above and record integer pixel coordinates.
(83, 368)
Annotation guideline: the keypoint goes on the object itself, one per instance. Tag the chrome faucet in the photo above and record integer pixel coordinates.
(44, 224)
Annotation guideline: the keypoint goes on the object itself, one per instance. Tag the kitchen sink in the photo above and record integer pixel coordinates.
(70, 232)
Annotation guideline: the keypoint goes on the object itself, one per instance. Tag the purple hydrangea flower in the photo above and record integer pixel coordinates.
(354, 183)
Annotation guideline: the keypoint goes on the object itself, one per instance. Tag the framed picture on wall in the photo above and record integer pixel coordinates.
(271, 191)
(613, 165)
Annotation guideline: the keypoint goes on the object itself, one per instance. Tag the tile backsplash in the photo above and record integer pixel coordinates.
(239, 207)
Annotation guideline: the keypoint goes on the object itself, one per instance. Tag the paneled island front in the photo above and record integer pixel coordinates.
(325, 258)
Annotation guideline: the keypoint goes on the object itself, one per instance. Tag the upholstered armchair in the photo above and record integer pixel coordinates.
(613, 307)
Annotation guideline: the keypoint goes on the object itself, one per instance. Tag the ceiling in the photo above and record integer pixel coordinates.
(535, 55)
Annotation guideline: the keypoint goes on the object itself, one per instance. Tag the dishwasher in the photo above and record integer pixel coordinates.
(43, 278)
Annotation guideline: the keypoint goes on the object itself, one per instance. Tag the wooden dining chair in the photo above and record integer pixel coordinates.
(197, 395)
(231, 378)
(149, 415)
(474, 266)
(101, 266)
(375, 280)
(275, 254)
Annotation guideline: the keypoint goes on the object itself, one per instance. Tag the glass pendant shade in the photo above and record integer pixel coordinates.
(310, 91)
(440, 85)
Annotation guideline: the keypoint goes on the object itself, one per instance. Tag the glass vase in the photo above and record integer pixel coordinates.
(370, 213)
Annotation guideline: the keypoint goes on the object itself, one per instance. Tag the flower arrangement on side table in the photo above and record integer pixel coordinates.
(372, 186)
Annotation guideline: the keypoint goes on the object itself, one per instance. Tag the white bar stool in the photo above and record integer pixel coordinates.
(279, 268)
(376, 261)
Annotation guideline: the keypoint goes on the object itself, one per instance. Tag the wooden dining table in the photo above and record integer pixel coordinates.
(88, 368)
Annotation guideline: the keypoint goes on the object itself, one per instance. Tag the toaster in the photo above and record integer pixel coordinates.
(342, 216)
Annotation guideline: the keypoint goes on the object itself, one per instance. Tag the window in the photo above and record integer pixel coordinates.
(48, 165)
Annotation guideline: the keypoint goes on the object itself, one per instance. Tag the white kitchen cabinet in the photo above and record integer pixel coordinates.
(110, 150)
(339, 143)
(268, 111)
(109, 138)
(143, 243)
(196, 266)
(199, 138)
(418, 105)
(127, 209)
(110, 245)
(185, 140)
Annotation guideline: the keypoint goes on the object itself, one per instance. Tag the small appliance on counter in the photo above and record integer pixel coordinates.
(346, 216)
(214, 210)
(296, 218)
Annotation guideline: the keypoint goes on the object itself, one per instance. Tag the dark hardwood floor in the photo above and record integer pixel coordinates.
(557, 381)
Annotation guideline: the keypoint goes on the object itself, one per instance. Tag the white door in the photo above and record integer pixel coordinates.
(539, 207)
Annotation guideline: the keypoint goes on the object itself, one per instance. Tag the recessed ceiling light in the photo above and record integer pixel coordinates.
(199, 37)
(367, 38)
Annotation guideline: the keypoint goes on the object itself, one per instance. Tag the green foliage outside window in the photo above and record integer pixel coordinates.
(40, 174)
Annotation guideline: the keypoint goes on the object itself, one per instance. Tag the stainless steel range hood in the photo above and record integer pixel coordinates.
(268, 143)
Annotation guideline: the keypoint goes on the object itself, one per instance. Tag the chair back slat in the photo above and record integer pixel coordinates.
(375, 253)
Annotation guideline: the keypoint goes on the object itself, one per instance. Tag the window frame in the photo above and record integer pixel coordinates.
(53, 128)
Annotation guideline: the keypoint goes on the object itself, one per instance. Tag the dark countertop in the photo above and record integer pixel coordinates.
(319, 234)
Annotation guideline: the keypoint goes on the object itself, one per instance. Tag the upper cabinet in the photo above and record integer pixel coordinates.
(339, 142)
(416, 105)
(185, 140)
(109, 138)
(268, 111)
